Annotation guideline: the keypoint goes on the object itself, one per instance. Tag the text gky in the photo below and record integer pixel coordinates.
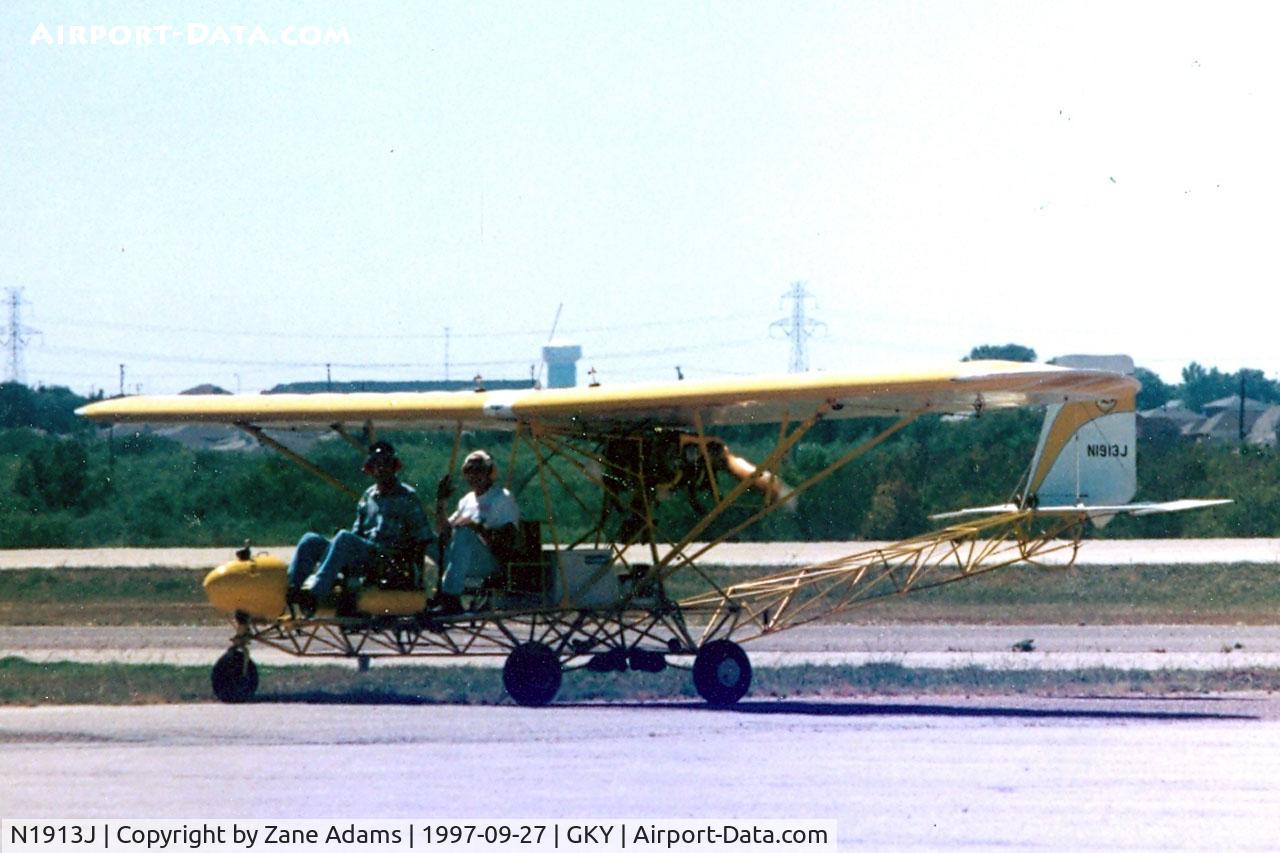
(588, 834)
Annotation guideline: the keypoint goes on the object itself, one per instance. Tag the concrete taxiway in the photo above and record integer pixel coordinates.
(903, 774)
(1103, 552)
(1199, 647)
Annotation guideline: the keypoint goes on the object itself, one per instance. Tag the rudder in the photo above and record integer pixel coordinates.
(1086, 455)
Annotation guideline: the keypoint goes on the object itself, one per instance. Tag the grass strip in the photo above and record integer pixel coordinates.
(23, 682)
(143, 596)
(1213, 594)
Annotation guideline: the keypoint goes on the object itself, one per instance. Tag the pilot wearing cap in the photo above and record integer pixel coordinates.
(391, 527)
(482, 530)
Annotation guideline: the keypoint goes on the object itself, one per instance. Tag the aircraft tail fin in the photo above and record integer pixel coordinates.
(1086, 455)
(1086, 459)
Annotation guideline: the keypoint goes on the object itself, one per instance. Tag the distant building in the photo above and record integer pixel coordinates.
(378, 385)
(1168, 422)
(1265, 427)
(1219, 424)
(562, 364)
(227, 438)
(1232, 404)
(1222, 420)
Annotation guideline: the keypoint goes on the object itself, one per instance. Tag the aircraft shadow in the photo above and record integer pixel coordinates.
(818, 708)
(812, 708)
(363, 697)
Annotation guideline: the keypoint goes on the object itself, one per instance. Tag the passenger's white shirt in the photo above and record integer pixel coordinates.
(495, 508)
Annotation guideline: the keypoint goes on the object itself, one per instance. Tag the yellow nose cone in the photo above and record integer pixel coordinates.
(255, 586)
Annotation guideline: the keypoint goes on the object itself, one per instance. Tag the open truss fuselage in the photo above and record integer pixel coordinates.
(618, 478)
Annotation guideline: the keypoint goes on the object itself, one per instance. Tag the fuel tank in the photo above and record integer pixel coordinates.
(256, 587)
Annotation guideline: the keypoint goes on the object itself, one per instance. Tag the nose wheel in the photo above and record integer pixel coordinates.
(721, 672)
(234, 676)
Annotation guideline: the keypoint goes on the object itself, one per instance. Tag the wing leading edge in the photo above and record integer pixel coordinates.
(966, 387)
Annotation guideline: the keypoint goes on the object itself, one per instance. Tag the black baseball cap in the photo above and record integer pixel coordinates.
(380, 452)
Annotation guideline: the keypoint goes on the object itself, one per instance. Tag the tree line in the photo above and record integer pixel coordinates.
(67, 483)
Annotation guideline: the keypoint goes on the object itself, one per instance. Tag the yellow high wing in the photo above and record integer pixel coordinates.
(966, 387)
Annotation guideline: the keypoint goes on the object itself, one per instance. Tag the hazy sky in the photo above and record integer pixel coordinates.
(1075, 177)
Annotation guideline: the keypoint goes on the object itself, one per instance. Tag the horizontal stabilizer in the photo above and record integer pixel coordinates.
(1167, 506)
(1091, 511)
(995, 509)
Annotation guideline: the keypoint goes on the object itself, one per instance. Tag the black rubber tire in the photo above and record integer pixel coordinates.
(532, 674)
(234, 676)
(721, 672)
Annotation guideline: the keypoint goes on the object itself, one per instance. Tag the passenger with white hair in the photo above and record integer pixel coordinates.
(482, 531)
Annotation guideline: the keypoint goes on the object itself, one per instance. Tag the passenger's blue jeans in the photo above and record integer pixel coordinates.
(348, 554)
(468, 557)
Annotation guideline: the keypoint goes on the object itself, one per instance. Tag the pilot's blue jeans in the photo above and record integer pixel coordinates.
(467, 557)
(317, 562)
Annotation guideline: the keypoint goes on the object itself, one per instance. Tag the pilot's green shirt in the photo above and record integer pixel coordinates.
(393, 521)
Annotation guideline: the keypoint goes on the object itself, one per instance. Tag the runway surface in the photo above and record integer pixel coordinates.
(944, 646)
(1064, 774)
(1105, 552)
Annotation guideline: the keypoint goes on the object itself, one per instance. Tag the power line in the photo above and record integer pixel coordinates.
(160, 363)
(634, 354)
(169, 358)
(446, 334)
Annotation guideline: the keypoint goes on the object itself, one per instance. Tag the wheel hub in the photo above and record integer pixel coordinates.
(728, 672)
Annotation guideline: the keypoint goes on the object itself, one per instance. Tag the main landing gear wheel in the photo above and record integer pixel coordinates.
(531, 674)
(721, 672)
(234, 676)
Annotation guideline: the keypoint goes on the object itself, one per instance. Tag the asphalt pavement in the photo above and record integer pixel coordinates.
(1103, 552)
(902, 774)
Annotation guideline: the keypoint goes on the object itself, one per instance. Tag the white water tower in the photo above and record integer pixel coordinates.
(562, 364)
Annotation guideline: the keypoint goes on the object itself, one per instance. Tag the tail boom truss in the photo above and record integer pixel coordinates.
(772, 603)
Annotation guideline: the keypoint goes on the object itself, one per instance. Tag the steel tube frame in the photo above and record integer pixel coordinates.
(743, 611)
